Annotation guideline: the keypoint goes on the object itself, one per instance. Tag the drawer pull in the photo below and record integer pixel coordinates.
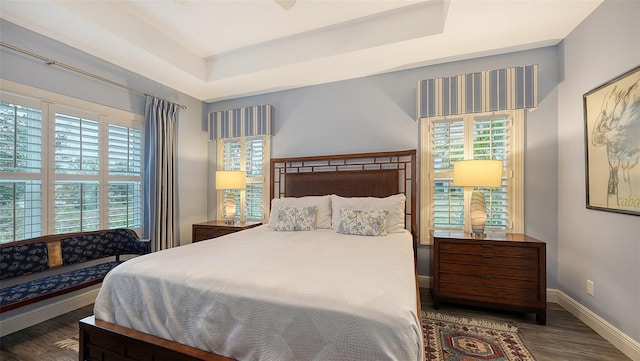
(485, 277)
(486, 256)
(485, 245)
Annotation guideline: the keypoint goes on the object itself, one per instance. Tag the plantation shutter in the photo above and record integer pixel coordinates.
(76, 147)
(125, 165)
(447, 147)
(491, 141)
(20, 167)
(254, 160)
(20, 138)
(77, 162)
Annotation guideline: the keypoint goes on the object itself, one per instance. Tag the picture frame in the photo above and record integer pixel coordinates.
(612, 144)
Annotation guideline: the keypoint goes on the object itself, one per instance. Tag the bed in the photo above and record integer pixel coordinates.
(351, 296)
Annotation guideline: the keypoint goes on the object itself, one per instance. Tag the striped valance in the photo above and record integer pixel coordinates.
(241, 122)
(485, 91)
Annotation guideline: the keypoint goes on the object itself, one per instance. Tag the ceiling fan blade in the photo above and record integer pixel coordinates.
(286, 4)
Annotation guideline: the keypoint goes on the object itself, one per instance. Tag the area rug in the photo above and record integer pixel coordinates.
(450, 338)
(72, 343)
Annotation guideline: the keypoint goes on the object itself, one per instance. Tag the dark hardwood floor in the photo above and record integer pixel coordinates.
(564, 338)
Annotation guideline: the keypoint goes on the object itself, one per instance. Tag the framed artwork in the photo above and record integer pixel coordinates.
(612, 143)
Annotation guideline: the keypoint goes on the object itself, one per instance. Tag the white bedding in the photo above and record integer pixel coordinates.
(266, 295)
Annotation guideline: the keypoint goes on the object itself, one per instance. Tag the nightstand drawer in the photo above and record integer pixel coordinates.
(489, 259)
(489, 248)
(490, 270)
(523, 284)
(494, 295)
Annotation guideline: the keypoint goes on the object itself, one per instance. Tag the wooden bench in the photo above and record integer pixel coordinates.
(22, 260)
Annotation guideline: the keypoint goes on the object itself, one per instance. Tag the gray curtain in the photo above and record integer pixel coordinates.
(159, 211)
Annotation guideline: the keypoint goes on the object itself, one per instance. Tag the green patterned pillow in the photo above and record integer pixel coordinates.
(363, 223)
(296, 219)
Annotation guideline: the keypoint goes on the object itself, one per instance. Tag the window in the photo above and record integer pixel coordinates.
(66, 169)
(249, 154)
(473, 136)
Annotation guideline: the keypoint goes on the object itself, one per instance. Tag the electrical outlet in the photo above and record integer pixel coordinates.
(590, 286)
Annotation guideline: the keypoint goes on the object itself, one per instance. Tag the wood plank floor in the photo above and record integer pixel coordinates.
(564, 338)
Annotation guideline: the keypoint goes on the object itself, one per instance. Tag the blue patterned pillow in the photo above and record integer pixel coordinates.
(296, 219)
(363, 223)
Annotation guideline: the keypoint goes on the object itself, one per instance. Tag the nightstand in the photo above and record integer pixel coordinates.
(213, 229)
(504, 271)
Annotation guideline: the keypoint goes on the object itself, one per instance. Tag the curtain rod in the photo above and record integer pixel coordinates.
(85, 73)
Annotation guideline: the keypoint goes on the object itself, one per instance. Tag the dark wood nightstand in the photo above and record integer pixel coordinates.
(505, 271)
(213, 229)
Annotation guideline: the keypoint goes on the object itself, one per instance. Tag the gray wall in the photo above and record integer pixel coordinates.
(601, 246)
(378, 113)
(192, 140)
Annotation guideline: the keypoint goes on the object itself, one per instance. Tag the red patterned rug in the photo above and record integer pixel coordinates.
(450, 338)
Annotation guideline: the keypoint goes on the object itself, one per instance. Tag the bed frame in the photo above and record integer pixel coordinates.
(352, 175)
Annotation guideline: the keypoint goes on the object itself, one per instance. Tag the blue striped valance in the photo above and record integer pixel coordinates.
(486, 91)
(241, 122)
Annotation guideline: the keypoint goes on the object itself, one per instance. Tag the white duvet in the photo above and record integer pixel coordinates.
(266, 295)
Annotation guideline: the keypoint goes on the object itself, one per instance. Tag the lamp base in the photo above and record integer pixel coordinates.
(478, 211)
(229, 208)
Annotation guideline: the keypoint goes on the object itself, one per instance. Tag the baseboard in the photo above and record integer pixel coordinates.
(16, 320)
(617, 338)
(424, 281)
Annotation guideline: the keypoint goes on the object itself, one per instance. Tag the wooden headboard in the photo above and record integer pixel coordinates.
(349, 175)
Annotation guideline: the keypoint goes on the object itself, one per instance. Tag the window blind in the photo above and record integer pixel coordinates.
(125, 204)
(20, 138)
(76, 206)
(21, 167)
(20, 209)
(125, 151)
(76, 145)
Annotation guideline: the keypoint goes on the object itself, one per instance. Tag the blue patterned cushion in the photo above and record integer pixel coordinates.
(25, 291)
(130, 243)
(23, 259)
(83, 248)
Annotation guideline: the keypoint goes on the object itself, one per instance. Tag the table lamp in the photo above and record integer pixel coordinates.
(478, 173)
(228, 180)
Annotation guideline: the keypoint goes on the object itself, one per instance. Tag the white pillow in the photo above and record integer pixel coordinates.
(323, 217)
(393, 204)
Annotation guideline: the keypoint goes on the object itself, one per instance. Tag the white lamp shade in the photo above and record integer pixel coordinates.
(477, 173)
(231, 179)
